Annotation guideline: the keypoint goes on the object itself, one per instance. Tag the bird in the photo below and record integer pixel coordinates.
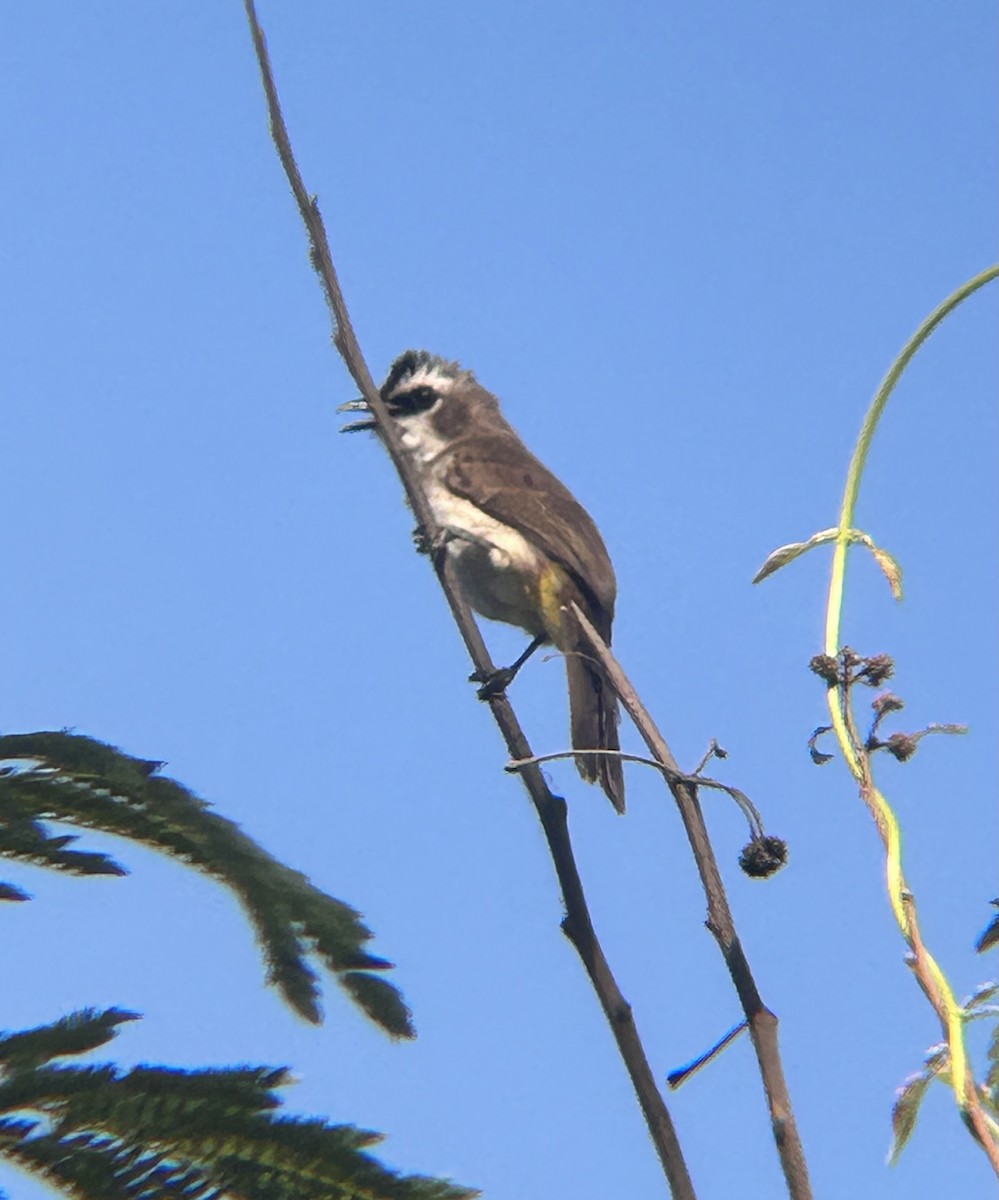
(522, 546)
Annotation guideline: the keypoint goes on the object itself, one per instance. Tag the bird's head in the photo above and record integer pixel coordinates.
(430, 399)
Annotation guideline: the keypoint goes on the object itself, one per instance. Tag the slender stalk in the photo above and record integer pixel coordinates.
(931, 978)
(551, 810)
(834, 606)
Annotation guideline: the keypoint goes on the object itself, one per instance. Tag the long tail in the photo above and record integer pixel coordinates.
(594, 716)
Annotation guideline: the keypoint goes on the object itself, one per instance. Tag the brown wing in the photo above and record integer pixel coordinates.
(501, 476)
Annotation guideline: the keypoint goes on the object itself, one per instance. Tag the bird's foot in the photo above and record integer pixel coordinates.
(422, 540)
(435, 548)
(493, 683)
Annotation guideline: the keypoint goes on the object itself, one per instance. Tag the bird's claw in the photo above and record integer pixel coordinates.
(433, 547)
(422, 541)
(493, 683)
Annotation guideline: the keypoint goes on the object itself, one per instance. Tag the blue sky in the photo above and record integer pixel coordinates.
(682, 242)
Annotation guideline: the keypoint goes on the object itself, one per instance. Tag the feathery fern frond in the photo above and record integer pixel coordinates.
(158, 1133)
(75, 1034)
(24, 839)
(103, 1169)
(80, 781)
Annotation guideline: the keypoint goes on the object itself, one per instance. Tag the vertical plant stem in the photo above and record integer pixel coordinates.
(930, 975)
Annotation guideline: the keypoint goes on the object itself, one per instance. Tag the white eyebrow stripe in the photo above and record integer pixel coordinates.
(426, 377)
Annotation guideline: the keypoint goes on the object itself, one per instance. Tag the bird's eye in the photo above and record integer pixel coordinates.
(416, 400)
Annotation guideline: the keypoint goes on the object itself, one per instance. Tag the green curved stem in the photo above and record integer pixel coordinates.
(939, 991)
(834, 608)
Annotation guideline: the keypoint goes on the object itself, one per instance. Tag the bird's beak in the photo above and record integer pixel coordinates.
(358, 405)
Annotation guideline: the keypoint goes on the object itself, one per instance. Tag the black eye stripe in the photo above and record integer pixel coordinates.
(416, 400)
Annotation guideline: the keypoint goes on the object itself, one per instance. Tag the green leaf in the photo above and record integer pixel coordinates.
(75, 1034)
(101, 1169)
(979, 999)
(381, 1001)
(909, 1097)
(77, 780)
(992, 1075)
(24, 839)
(166, 1132)
(785, 554)
(905, 1110)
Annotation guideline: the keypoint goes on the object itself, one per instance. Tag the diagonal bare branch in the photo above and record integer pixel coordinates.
(551, 809)
(762, 1022)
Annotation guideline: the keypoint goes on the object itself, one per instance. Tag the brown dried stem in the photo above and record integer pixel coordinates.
(762, 1022)
(551, 809)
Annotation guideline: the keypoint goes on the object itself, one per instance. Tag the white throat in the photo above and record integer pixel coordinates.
(419, 437)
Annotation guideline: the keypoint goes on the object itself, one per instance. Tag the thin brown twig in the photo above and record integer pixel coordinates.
(551, 810)
(762, 1022)
(749, 809)
(713, 751)
(514, 766)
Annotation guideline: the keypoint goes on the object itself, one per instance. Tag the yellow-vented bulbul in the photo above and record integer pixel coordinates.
(522, 546)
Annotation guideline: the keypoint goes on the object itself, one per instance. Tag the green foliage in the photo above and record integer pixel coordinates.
(841, 668)
(27, 840)
(75, 1034)
(909, 1097)
(155, 1132)
(376, 996)
(937, 1065)
(992, 1075)
(77, 780)
(785, 554)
